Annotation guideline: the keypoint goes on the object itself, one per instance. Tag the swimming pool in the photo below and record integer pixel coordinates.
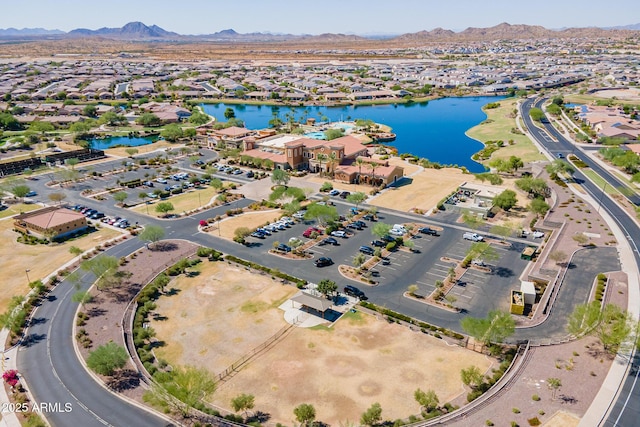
(315, 135)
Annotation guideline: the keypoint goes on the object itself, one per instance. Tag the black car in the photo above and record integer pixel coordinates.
(344, 194)
(427, 230)
(388, 239)
(354, 292)
(354, 226)
(323, 261)
(96, 215)
(250, 174)
(283, 248)
(329, 241)
(369, 217)
(360, 224)
(367, 250)
(378, 243)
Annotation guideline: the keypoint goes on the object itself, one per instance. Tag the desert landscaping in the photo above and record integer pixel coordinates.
(341, 369)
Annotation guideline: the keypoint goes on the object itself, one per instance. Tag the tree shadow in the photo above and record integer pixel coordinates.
(38, 321)
(568, 399)
(258, 416)
(173, 291)
(96, 312)
(125, 379)
(164, 247)
(160, 317)
(502, 272)
(32, 339)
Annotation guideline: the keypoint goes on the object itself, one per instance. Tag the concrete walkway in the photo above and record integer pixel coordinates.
(7, 362)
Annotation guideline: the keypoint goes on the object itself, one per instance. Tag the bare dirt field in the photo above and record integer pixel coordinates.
(425, 191)
(40, 260)
(340, 370)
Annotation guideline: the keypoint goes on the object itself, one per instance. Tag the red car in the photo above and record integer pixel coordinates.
(309, 231)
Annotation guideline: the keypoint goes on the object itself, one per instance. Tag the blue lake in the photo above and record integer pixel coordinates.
(103, 144)
(434, 130)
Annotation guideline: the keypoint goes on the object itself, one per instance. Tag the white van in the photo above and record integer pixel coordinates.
(473, 237)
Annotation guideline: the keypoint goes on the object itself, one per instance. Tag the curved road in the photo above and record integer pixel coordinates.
(57, 377)
(626, 411)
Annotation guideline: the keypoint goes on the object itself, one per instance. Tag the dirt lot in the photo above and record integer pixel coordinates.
(41, 260)
(371, 360)
(425, 191)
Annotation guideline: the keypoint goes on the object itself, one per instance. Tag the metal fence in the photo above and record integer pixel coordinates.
(257, 350)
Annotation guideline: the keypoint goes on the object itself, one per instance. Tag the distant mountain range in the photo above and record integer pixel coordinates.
(137, 31)
(11, 32)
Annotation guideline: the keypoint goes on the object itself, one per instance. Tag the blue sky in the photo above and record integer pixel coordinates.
(317, 16)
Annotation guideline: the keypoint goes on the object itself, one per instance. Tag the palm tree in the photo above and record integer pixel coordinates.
(320, 157)
(331, 163)
(373, 166)
(360, 162)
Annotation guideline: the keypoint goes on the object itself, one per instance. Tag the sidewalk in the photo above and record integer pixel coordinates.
(8, 361)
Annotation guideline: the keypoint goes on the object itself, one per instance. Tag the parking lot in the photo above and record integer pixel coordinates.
(478, 290)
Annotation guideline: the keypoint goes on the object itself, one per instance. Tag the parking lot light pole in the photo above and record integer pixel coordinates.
(27, 273)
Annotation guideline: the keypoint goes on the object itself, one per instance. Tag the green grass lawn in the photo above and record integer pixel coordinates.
(182, 202)
(18, 208)
(599, 181)
(498, 127)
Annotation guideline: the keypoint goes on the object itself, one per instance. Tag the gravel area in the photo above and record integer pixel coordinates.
(108, 307)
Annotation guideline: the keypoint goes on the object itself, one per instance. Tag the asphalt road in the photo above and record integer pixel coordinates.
(49, 360)
(626, 411)
(56, 376)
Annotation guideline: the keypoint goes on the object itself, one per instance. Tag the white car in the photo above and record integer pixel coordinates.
(538, 234)
(397, 232)
(339, 233)
(161, 180)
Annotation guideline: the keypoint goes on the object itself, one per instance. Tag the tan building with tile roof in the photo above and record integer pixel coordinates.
(52, 222)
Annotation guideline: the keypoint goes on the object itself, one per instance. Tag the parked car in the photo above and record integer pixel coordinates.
(323, 261)
(427, 230)
(359, 223)
(369, 217)
(264, 231)
(339, 233)
(367, 250)
(344, 194)
(329, 241)
(354, 226)
(473, 237)
(354, 292)
(96, 215)
(283, 248)
(307, 233)
(161, 180)
(537, 234)
(250, 174)
(378, 243)
(258, 234)
(387, 239)
(148, 183)
(237, 172)
(397, 232)
(334, 192)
